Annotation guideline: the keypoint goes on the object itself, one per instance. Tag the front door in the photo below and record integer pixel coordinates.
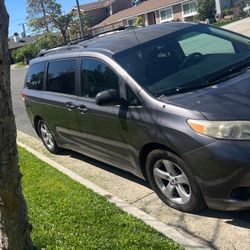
(102, 129)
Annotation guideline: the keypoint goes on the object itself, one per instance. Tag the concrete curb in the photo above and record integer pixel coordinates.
(161, 227)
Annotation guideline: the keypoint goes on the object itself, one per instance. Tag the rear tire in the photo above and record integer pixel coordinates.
(47, 137)
(174, 183)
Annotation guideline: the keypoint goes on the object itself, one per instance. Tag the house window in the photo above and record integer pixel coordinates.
(131, 22)
(189, 9)
(166, 15)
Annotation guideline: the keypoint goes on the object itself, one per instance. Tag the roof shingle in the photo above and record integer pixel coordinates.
(144, 7)
(96, 5)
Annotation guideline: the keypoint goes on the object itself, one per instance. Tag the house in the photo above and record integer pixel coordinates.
(152, 12)
(102, 9)
(17, 42)
(222, 4)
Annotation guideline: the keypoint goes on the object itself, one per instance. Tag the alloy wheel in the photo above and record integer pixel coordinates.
(47, 136)
(172, 181)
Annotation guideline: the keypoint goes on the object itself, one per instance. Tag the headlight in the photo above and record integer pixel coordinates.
(231, 130)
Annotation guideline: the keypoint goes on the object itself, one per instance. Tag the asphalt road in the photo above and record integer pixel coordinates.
(219, 230)
(22, 121)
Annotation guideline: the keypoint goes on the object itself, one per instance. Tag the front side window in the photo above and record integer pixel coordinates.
(192, 58)
(61, 77)
(97, 76)
(166, 15)
(35, 76)
(132, 99)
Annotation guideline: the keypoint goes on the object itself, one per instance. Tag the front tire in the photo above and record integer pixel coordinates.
(174, 183)
(47, 138)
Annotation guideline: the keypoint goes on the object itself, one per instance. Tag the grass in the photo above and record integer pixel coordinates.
(20, 65)
(66, 215)
(222, 23)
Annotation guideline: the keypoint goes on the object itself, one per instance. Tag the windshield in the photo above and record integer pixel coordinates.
(188, 59)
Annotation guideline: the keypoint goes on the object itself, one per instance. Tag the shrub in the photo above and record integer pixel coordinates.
(28, 52)
(139, 21)
(206, 9)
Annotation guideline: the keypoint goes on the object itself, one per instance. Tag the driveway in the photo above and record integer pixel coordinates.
(242, 26)
(219, 230)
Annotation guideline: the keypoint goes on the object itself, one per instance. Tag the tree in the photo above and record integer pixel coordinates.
(139, 22)
(61, 23)
(38, 18)
(28, 52)
(14, 226)
(45, 15)
(74, 25)
(206, 9)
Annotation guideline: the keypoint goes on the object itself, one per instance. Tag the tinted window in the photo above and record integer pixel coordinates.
(96, 77)
(35, 76)
(132, 99)
(61, 76)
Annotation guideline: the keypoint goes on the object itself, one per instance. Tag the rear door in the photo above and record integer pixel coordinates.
(59, 101)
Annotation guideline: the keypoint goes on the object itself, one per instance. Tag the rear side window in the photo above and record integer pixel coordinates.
(35, 76)
(97, 76)
(61, 77)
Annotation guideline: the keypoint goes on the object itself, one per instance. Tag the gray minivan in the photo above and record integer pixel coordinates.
(169, 103)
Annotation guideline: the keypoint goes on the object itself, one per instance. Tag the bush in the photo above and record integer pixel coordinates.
(139, 21)
(28, 52)
(25, 54)
(238, 10)
(206, 9)
(227, 12)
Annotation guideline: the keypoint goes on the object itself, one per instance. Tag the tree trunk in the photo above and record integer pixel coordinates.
(64, 35)
(14, 226)
(45, 17)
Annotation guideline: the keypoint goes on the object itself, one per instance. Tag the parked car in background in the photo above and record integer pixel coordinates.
(169, 103)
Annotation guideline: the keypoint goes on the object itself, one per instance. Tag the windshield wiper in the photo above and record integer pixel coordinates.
(227, 75)
(183, 89)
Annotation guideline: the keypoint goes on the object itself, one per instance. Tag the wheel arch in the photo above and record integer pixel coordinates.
(146, 149)
(36, 122)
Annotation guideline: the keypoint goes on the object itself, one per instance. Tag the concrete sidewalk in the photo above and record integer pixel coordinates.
(213, 229)
(241, 26)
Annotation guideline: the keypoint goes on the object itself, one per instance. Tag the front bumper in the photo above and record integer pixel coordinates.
(222, 170)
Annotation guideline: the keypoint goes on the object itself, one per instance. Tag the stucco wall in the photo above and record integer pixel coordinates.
(98, 15)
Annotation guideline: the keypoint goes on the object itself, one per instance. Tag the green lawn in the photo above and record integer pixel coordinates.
(222, 23)
(20, 65)
(66, 215)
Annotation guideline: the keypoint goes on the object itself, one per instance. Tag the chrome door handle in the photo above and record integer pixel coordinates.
(70, 106)
(82, 109)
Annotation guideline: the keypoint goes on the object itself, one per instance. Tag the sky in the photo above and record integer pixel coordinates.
(17, 12)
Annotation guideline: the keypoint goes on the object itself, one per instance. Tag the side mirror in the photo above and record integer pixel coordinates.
(108, 97)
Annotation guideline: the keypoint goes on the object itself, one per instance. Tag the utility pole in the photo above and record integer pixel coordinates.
(24, 31)
(79, 16)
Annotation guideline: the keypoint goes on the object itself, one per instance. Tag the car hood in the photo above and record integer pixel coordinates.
(228, 100)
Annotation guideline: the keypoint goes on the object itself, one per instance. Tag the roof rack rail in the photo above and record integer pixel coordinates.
(73, 43)
(82, 39)
(44, 51)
